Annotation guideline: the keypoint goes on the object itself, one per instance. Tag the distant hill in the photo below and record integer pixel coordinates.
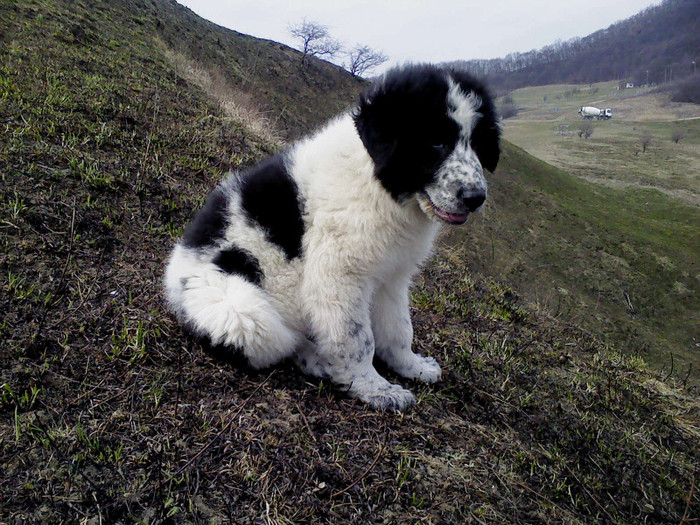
(657, 45)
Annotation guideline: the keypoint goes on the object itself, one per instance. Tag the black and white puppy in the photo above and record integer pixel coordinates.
(311, 254)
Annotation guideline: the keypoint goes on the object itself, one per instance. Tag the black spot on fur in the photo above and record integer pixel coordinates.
(365, 351)
(209, 224)
(355, 328)
(270, 197)
(236, 261)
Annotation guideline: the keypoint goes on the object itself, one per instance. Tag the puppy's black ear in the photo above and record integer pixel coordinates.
(486, 142)
(399, 119)
(376, 118)
(373, 128)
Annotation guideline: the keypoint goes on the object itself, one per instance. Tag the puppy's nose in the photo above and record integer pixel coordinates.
(473, 200)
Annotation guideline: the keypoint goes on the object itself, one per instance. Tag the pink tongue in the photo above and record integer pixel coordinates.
(452, 218)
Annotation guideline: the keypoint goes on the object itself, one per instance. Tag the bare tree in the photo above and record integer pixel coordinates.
(645, 141)
(364, 58)
(586, 130)
(315, 40)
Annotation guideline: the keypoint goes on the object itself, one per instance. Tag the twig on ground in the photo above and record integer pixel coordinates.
(690, 497)
(306, 423)
(231, 419)
(367, 470)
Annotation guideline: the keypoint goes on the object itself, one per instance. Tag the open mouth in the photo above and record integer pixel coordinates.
(449, 218)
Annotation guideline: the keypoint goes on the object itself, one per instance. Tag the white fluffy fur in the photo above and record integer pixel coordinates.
(361, 249)
(228, 309)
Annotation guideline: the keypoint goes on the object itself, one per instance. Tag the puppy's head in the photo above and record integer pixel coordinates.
(431, 132)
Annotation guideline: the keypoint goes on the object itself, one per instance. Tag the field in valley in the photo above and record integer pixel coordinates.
(626, 248)
(547, 126)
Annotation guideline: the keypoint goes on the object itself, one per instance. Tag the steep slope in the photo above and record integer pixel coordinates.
(268, 74)
(238, 64)
(109, 413)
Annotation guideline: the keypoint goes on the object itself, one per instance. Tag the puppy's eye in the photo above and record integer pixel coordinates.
(441, 148)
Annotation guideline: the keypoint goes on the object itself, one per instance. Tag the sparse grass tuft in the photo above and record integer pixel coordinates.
(235, 104)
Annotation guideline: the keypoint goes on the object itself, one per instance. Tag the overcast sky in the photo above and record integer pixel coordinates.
(425, 30)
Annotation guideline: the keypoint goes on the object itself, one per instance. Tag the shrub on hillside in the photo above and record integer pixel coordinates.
(586, 130)
(508, 109)
(688, 90)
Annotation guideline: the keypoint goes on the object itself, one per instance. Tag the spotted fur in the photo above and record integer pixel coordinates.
(310, 255)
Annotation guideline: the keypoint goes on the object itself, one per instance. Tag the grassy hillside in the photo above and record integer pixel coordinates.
(264, 75)
(624, 249)
(110, 414)
(618, 262)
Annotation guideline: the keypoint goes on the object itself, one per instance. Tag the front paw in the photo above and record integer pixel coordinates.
(428, 370)
(414, 366)
(383, 396)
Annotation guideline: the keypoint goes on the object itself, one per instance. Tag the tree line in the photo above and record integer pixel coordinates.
(660, 44)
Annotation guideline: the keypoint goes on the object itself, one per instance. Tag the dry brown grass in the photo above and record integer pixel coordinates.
(237, 105)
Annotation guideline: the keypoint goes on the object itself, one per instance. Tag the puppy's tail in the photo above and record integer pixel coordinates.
(227, 309)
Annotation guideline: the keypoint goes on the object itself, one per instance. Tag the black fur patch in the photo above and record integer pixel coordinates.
(270, 197)
(209, 224)
(239, 262)
(404, 123)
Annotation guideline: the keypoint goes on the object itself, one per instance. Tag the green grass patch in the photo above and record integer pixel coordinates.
(620, 261)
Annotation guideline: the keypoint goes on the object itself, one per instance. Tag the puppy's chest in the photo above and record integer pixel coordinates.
(368, 242)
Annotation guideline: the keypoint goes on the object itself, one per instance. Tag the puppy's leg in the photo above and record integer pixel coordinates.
(393, 332)
(344, 345)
